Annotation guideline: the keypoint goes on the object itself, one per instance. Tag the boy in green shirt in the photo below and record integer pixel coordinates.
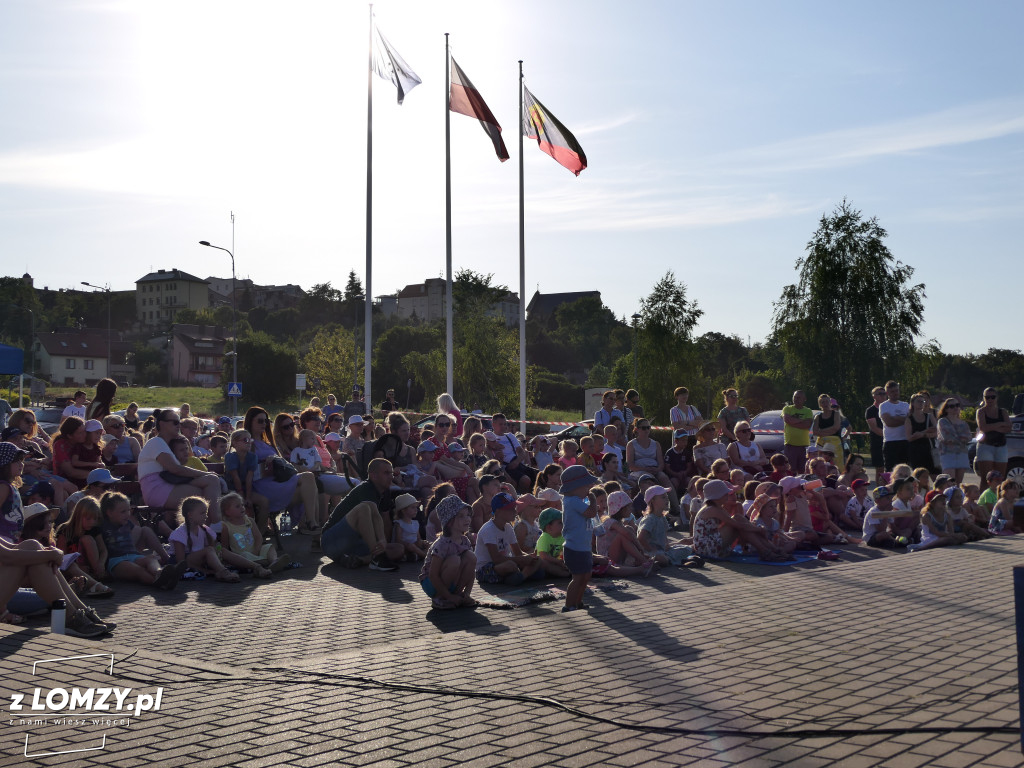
(551, 542)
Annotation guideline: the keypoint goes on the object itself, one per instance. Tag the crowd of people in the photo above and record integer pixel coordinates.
(111, 499)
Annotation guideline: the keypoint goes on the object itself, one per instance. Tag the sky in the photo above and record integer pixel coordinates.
(717, 136)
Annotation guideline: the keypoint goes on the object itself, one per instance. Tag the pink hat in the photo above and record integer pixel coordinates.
(789, 484)
(617, 500)
(655, 490)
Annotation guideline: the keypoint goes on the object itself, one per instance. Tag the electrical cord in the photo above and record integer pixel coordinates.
(361, 682)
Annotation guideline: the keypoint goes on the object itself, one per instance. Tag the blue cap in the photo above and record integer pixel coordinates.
(502, 501)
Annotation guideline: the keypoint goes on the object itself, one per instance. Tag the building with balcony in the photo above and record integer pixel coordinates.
(197, 354)
(160, 295)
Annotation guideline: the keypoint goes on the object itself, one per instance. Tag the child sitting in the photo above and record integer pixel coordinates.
(780, 468)
(407, 528)
(677, 465)
(305, 456)
(528, 509)
(859, 504)
(990, 495)
(126, 561)
(906, 527)
(422, 473)
(81, 533)
(240, 534)
(193, 542)
(498, 556)
(588, 457)
(937, 523)
(218, 448)
(877, 519)
(971, 495)
(764, 513)
(88, 455)
(481, 510)
(449, 565)
(653, 531)
(240, 467)
(963, 521)
(542, 452)
(551, 543)
(1001, 522)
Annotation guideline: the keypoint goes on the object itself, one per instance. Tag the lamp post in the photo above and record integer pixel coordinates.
(355, 341)
(105, 288)
(234, 321)
(636, 319)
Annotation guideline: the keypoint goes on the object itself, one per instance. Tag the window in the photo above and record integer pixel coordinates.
(87, 365)
(69, 362)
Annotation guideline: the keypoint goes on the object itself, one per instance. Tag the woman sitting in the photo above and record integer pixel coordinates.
(120, 450)
(707, 451)
(744, 453)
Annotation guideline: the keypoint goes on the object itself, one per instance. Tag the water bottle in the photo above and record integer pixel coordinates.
(58, 613)
(286, 523)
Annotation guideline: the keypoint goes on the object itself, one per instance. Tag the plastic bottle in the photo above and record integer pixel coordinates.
(286, 523)
(58, 613)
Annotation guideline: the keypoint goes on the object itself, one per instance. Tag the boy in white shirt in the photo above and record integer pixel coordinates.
(76, 408)
(498, 556)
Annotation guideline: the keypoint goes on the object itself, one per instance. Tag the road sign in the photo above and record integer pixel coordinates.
(234, 389)
(300, 381)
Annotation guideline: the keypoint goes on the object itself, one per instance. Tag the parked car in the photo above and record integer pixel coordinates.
(427, 422)
(767, 428)
(48, 418)
(1014, 443)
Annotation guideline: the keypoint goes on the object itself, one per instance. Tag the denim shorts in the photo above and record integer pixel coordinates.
(342, 539)
(997, 455)
(131, 558)
(578, 561)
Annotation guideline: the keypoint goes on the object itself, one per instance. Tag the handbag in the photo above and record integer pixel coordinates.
(169, 477)
(282, 470)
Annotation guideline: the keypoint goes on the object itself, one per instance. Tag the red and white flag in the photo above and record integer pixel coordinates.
(465, 99)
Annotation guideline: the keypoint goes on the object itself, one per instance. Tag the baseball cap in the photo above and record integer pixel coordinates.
(426, 447)
(812, 448)
(639, 479)
(529, 500)
(332, 437)
(788, 484)
(93, 425)
(456, 448)
(101, 475)
(502, 501)
(860, 482)
(405, 500)
(224, 420)
(9, 453)
(679, 433)
(42, 488)
(716, 489)
(549, 516)
(657, 490)
(10, 432)
(931, 495)
(881, 492)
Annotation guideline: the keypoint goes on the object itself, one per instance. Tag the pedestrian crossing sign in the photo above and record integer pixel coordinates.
(234, 389)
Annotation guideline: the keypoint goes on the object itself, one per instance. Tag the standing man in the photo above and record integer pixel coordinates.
(389, 404)
(893, 412)
(604, 416)
(354, 406)
(875, 430)
(798, 419)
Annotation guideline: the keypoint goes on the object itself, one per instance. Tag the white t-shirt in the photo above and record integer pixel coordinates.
(509, 445)
(181, 535)
(148, 463)
(490, 534)
(893, 434)
(74, 410)
(857, 507)
(874, 523)
(305, 457)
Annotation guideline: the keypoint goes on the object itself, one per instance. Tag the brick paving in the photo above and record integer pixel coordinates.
(293, 672)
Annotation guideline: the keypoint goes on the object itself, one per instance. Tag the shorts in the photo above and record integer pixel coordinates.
(485, 575)
(520, 470)
(578, 561)
(342, 539)
(997, 455)
(950, 461)
(155, 490)
(114, 561)
(431, 590)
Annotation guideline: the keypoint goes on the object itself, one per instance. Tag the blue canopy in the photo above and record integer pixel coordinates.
(12, 360)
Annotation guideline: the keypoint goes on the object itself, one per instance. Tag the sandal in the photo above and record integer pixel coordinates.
(99, 590)
(11, 618)
(228, 577)
(263, 573)
(441, 604)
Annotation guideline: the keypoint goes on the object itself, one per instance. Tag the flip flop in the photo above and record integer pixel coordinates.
(11, 618)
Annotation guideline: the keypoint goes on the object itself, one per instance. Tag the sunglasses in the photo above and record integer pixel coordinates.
(175, 422)
(990, 397)
(742, 431)
(644, 427)
(289, 425)
(443, 424)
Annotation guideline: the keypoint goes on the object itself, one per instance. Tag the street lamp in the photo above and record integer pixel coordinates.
(234, 320)
(105, 288)
(355, 341)
(636, 319)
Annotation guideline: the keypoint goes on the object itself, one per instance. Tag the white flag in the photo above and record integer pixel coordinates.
(392, 67)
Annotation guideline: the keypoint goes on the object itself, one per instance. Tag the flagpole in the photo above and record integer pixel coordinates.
(449, 380)
(367, 339)
(522, 267)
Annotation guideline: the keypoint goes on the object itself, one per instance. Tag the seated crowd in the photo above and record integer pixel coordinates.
(109, 498)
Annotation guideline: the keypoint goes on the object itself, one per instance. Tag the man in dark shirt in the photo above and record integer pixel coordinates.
(354, 406)
(389, 404)
(357, 531)
(875, 428)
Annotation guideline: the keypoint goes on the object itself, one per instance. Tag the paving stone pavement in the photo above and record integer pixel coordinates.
(326, 666)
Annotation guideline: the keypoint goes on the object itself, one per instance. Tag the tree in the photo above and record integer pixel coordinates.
(665, 350)
(849, 322)
(354, 287)
(332, 359)
(267, 368)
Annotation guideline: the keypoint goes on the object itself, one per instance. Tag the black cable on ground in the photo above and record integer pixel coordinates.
(361, 682)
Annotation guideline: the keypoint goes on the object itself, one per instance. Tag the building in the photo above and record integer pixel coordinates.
(426, 301)
(197, 354)
(543, 305)
(387, 304)
(71, 357)
(160, 295)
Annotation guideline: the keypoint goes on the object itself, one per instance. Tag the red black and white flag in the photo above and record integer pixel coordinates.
(465, 99)
(552, 137)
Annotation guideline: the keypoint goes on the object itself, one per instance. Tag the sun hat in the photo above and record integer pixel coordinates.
(789, 484)
(549, 516)
(93, 425)
(549, 494)
(617, 500)
(404, 500)
(826, 448)
(950, 492)
(9, 452)
(446, 509)
(503, 501)
(37, 509)
(717, 489)
(426, 447)
(655, 490)
(101, 475)
(490, 437)
(529, 500)
(576, 477)
(812, 448)
(332, 437)
(355, 418)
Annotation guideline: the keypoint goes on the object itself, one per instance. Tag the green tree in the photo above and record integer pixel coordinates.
(665, 349)
(354, 287)
(850, 320)
(266, 367)
(332, 359)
